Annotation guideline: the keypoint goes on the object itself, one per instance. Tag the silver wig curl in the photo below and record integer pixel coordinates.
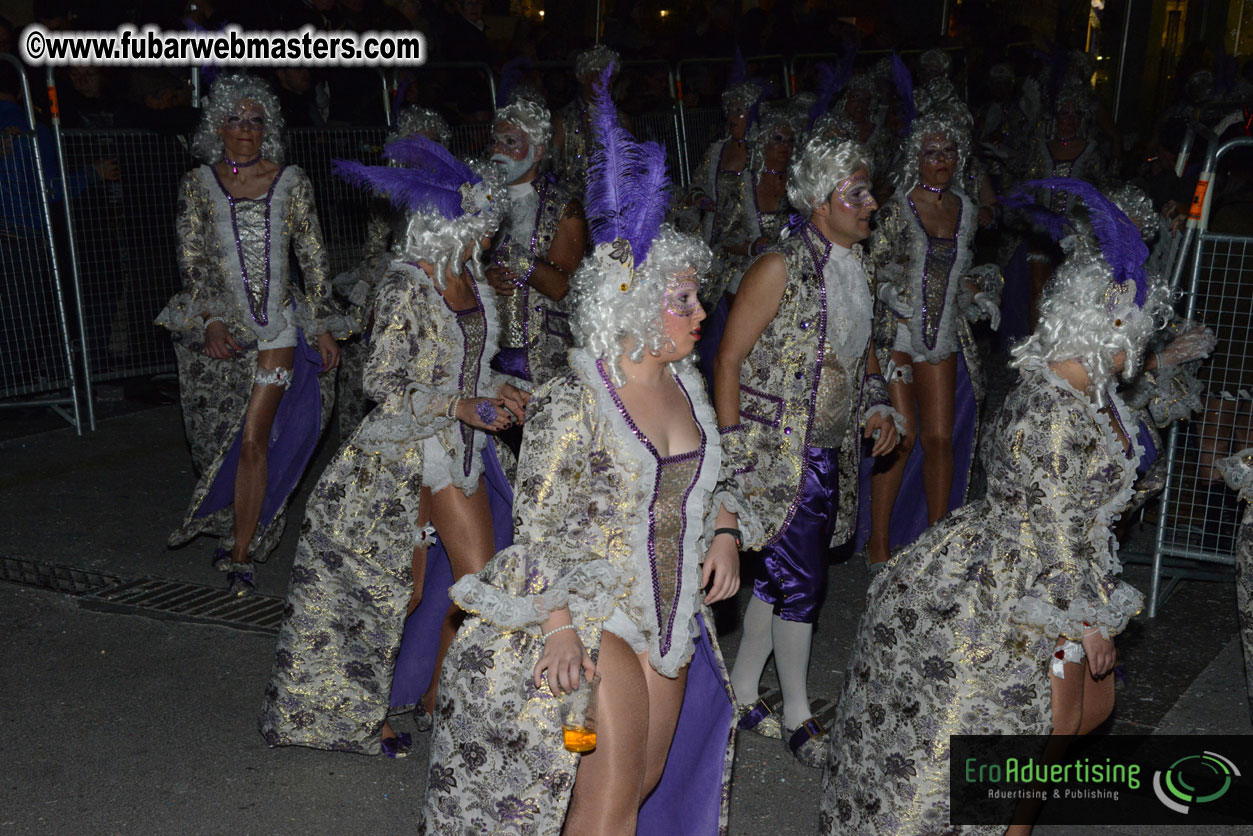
(432, 237)
(227, 94)
(936, 61)
(819, 167)
(774, 116)
(742, 96)
(833, 127)
(605, 317)
(532, 118)
(1086, 316)
(595, 60)
(415, 119)
(948, 122)
(1137, 206)
(1079, 98)
(862, 84)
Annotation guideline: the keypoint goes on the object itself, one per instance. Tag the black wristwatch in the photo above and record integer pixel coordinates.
(734, 532)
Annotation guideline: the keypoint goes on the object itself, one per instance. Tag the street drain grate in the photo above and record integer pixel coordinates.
(182, 601)
(52, 577)
(151, 597)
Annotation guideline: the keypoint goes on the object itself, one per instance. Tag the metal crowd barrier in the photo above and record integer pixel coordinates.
(37, 364)
(1198, 517)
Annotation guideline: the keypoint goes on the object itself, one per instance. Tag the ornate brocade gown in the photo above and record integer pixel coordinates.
(234, 260)
(606, 527)
(352, 579)
(959, 630)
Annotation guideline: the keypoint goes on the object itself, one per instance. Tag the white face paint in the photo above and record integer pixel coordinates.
(512, 169)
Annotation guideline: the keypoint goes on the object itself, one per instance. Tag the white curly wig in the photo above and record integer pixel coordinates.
(948, 122)
(774, 116)
(605, 317)
(531, 117)
(225, 97)
(442, 241)
(819, 167)
(1077, 97)
(862, 84)
(742, 96)
(833, 126)
(1137, 206)
(936, 61)
(595, 60)
(415, 119)
(1085, 316)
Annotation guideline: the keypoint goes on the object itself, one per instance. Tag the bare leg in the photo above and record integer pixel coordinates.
(637, 711)
(1080, 704)
(251, 476)
(464, 524)
(936, 389)
(886, 484)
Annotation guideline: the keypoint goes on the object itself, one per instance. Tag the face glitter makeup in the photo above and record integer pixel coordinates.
(855, 191)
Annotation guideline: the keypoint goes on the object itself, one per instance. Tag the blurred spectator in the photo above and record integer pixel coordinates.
(298, 97)
(320, 14)
(760, 30)
(8, 36)
(462, 35)
(164, 99)
(88, 101)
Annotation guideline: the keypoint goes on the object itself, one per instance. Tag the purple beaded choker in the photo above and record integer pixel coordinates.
(236, 166)
(934, 189)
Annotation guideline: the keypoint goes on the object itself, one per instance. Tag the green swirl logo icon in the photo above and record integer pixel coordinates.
(1194, 779)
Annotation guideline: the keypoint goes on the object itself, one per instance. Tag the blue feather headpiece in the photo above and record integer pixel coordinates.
(627, 188)
(830, 82)
(1121, 245)
(430, 178)
(739, 70)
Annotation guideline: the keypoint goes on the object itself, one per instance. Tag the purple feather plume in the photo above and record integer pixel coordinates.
(434, 160)
(406, 188)
(1056, 225)
(829, 85)
(627, 184)
(1121, 245)
(904, 84)
(510, 74)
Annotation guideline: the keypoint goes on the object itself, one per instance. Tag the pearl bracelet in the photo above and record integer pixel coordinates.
(544, 638)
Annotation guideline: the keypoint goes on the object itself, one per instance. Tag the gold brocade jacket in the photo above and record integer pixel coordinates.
(778, 386)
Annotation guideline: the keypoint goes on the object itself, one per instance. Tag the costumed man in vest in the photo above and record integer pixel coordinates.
(540, 243)
(797, 388)
(572, 131)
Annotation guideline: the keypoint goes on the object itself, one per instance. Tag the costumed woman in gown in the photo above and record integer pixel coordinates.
(254, 348)
(921, 253)
(618, 545)
(356, 288)
(1000, 619)
(414, 459)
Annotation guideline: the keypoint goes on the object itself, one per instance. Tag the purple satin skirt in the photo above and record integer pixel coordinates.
(909, 514)
(513, 361)
(415, 666)
(1015, 300)
(293, 437)
(791, 574)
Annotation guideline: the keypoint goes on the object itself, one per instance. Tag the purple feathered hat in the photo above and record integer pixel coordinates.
(627, 190)
(1119, 239)
(904, 84)
(429, 179)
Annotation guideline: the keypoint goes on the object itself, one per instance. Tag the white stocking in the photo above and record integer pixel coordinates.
(756, 645)
(791, 658)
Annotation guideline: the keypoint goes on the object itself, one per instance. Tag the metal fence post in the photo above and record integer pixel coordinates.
(42, 186)
(63, 173)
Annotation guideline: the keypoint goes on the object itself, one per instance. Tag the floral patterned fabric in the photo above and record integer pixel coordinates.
(1238, 472)
(960, 628)
(352, 577)
(778, 385)
(214, 393)
(586, 484)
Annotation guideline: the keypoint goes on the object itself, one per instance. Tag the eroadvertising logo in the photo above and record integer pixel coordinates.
(1211, 772)
(1104, 779)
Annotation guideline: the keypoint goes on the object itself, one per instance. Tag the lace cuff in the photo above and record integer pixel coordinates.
(1110, 616)
(593, 588)
(1237, 471)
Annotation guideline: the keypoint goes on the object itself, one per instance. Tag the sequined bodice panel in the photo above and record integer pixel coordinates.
(676, 475)
(936, 277)
(772, 223)
(252, 225)
(727, 203)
